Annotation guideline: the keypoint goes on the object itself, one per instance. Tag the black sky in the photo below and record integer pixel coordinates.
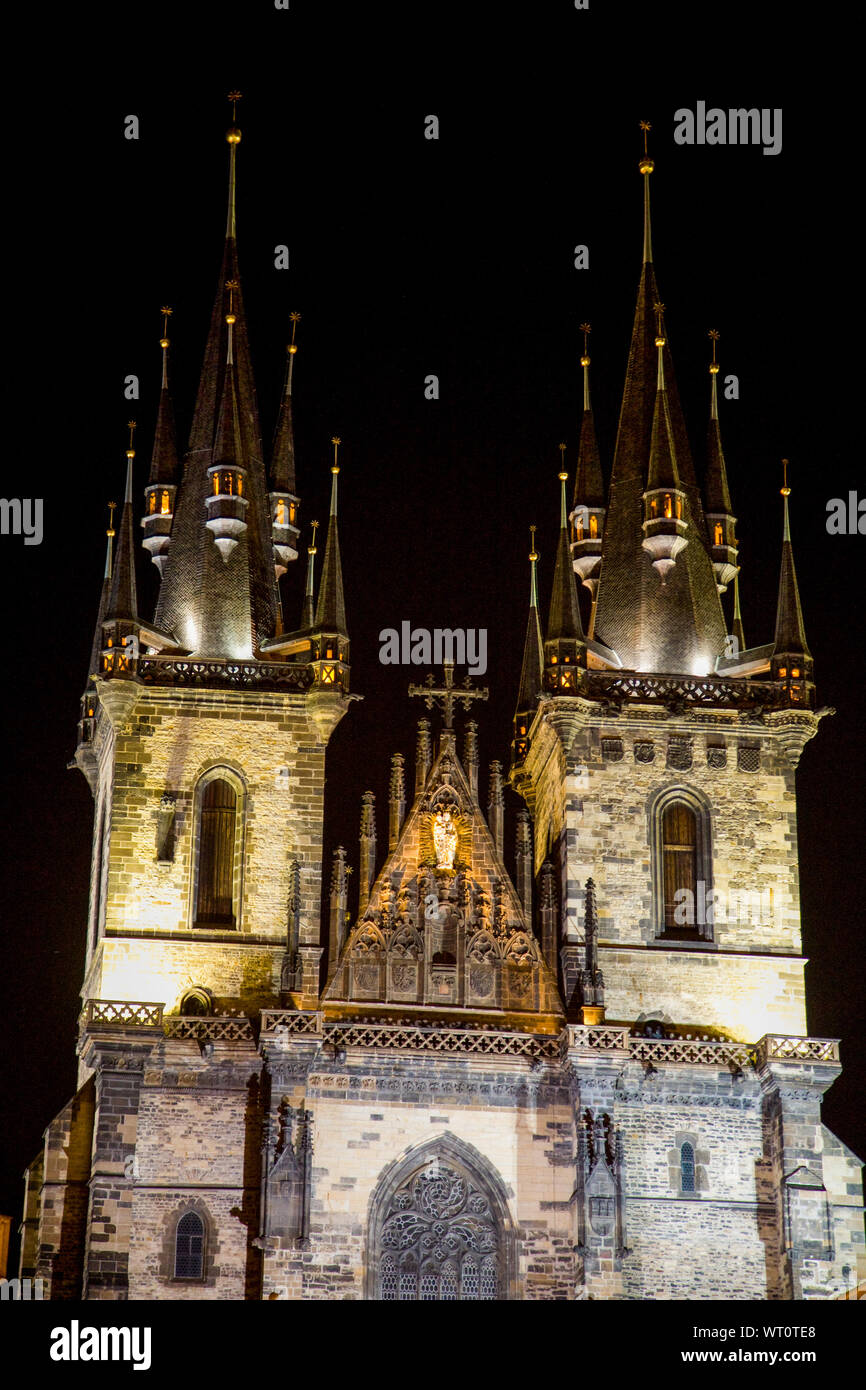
(410, 257)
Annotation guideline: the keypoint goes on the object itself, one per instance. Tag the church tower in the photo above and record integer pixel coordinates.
(572, 1065)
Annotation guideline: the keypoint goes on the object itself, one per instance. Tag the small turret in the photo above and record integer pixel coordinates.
(791, 661)
(162, 484)
(283, 501)
(565, 646)
(227, 501)
(533, 662)
(721, 522)
(330, 642)
(664, 500)
(120, 624)
(588, 513)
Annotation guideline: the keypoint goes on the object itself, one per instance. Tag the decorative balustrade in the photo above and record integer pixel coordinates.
(217, 1028)
(118, 1013)
(776, 1047)
(463, 1041)
(259, 675)
(630, 688)
(102, 1014)
(290, 1021)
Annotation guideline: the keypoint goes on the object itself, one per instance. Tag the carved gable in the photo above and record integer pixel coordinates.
(444, 926)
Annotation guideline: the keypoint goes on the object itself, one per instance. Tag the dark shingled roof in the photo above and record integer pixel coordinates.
(96, 647)
(678, 626)
(163, 462)
(331, 609)
(716, 493)
(215, 608)
(533, 660)
(283, 455)
(564, 618)
(790, 631)
(588, 481)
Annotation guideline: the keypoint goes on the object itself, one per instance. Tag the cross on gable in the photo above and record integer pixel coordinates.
(447, 695)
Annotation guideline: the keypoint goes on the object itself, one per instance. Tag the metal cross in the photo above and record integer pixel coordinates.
(448, 694)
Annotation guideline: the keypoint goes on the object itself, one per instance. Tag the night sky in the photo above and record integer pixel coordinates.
(410, 257)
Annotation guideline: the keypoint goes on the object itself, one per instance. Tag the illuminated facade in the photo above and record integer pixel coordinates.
(584, 1079)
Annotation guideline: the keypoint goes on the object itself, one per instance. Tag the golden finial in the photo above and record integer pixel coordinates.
(714, 337)
(533, 553)
(585, 329)
(231, 286)
(166, 313)
(110, 532)
(311, 549)
(295, 318)
(646, 165)
(785, 490)
(336, 441)
(562, 470)
(233, 135)
(660, 326)
(130, 453)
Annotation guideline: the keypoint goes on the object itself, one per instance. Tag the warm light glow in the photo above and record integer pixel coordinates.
(327, 675)
(281, 512)
(701, 667)
(593, 527)
(669, 511)
(292, 511)
(718, 533)
(151, 503)
(579, 529)
(165, 505)
(783, 671)
(795, 673)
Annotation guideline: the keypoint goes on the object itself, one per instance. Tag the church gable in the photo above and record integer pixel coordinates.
(444, 927)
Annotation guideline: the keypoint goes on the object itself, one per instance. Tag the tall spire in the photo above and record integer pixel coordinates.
(564, 647)
(587, 517)
(717, 498)
(737, 628)
(94, 667)
(222, 605)
(791, 660)
(123, 598)
(331, 609)
(533, 663)
(162, 483)
(677, 627)
(308, 617)
(283, 500)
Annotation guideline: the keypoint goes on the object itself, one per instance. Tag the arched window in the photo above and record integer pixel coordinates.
(593, 528)
(718, 534)
(679, 851)
(687, 1168)
(438, 1237)
(189, 1247)
(215, 878)
(680, 837)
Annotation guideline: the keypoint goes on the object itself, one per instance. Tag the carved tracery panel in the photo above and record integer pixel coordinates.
(440, 1241)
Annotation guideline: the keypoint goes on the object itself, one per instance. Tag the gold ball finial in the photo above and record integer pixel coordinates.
(563, 475)
(233, 135)
(785, 490)
(713, 335)
(295, 319)
(585, 329)
(166, 315)
(646, 165)
(336, 441)
(533, 553)
(130, 453)
(110, 532)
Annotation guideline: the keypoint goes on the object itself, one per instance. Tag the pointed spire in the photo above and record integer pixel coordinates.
(588, 481)
(93, 669)
(791, 656)
(163, 462)
(219, 604)
(283, 454)
(331, 610)
(367, 864)
(717, 498)
(308, 617)
(737, 628)
(678, 627)
(591, 979)
(123, 598)
(533, 663)
(396, 801)
(662, 471)
(564, 619)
